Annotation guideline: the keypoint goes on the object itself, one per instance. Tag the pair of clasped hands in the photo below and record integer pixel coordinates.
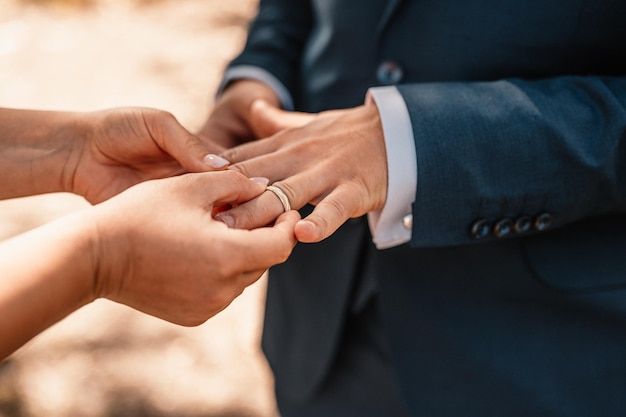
(180, 222)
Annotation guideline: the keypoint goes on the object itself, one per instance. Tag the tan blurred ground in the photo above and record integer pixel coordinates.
(108, 360)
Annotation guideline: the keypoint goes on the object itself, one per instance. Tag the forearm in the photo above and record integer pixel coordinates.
(515, 149)
(37, 149)
(45, 274)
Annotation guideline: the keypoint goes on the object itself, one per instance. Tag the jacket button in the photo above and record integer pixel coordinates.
(523, 224)
(389, 73)
(543, 221)
(407, 221)
(503, 228)
(480, 229)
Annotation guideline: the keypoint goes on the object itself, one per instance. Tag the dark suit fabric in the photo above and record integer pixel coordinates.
(518, 109)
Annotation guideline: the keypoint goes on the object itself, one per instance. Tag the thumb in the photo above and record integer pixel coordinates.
(193, 154)
(267, 119)
(325, 219)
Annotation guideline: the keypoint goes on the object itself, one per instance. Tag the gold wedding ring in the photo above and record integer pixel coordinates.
(284, 200)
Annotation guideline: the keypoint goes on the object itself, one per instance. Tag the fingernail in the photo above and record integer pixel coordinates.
(259, 102)
(227, 219)
(260, 180)
(215, 161)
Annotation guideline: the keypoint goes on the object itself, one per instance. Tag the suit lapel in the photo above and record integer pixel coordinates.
(392, 6)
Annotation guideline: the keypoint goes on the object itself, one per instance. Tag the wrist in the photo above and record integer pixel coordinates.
(79, 128)
(82, 234)
(37, 150)
(86, 256)
(109, 251)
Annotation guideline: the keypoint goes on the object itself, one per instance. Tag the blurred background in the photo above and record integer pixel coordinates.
(107, 360)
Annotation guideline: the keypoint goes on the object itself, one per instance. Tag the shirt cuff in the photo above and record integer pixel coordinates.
(259, 74)
(392, 225)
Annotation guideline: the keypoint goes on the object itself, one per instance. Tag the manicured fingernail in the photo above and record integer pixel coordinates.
(260, 180)
(215, 161)
(227, 219)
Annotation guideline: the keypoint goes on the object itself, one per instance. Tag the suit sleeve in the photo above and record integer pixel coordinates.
(515, 149)
(276, 39)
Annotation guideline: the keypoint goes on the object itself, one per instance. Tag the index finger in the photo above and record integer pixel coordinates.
(263, 209)
(252, 149)
(225, 187)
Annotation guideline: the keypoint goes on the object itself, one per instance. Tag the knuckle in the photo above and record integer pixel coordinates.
(231, 175)
(233, 154)
(289, 191)
(336, 206)
(283, 254)
(322, 222)
(241, 167)
(154, 118)
(223, 298)
(191, 142)
(242, 217)
(222, 268)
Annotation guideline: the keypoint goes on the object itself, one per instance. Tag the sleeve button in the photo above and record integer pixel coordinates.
(480, 229)
(503, 228)
(523, 224)
(543, 221)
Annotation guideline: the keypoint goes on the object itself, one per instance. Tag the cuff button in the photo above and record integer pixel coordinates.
(503, 228)
(523, 224)
(480, 229)
(543, 221)
(407, 221)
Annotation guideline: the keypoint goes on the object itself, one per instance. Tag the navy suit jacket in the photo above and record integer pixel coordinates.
(519, 115)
